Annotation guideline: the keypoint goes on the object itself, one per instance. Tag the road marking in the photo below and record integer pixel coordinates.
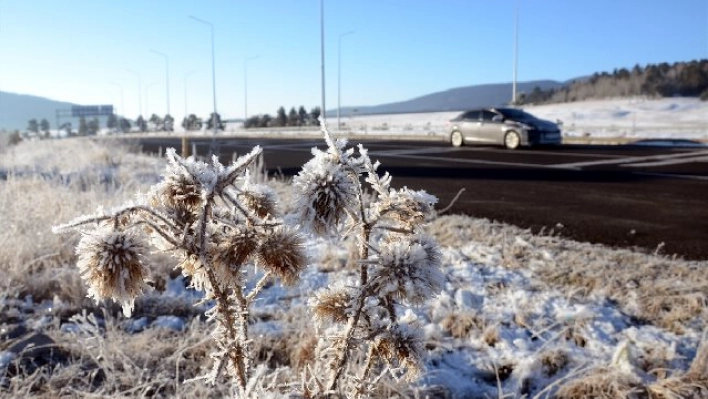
(413, 151)
(668, 162)
(627, 160)
(470, 161)
(673, 176)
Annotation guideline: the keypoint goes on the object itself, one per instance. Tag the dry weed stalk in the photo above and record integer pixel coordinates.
(398, 264)
(214, 219)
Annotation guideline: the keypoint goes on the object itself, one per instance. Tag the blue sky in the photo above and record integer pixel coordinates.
(80, 50)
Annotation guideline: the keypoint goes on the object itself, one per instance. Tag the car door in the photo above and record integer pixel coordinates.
(490, 130)
(469, 126)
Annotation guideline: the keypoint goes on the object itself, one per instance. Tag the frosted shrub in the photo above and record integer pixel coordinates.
(214, 220)
(397, 263)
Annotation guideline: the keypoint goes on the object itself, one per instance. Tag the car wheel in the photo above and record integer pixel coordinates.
(512, 140)
(456, 139)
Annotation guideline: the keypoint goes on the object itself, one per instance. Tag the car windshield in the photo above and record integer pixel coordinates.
(515, 114)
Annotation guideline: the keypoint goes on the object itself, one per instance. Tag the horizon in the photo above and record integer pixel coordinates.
(386, 59)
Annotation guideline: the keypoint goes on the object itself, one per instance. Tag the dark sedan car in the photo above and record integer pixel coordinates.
(509, 127)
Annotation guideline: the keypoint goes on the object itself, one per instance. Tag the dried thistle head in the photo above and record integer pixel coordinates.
(401, 347)
(192, 267)
(259, 198)
(332, 304)
(409, 208)
(262, 204)
(327, 192)
(409, 269)
(231, 251)
(178, 191)
(110, 262)
(282, 253)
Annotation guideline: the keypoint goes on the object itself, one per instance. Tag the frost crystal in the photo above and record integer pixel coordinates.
(110, 262)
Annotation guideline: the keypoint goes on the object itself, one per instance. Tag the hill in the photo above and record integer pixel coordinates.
(680, 79)
(17, 109)
(456, 99)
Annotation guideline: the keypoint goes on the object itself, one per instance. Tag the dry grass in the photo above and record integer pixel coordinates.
(107, 361)
(669, 293)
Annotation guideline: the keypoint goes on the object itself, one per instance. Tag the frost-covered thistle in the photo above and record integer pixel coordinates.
(398, 263)
(215, 221)
(110, 263)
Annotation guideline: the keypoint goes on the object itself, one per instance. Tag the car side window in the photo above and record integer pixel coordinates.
(471, 116)
(488, 116)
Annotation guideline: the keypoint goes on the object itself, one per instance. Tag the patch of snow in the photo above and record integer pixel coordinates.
(169, 322)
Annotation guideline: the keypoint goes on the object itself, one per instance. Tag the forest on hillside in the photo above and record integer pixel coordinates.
(685, 79)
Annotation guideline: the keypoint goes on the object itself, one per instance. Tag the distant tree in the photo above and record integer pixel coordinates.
(14, 138)
(169, 123)
(253, 121)
(293, 117)
(210, 122)
(266, 120)
(141, 124)
(302, 116)
(83, 126)
(44, 125)
(155, 123)
(33, 126)
(93, 126)
(124, 125)
(112, 121)
(281, 118)
(66, 128)
(191, 123)
(315, 114)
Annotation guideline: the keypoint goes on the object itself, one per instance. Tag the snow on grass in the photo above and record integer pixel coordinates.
(530, 315)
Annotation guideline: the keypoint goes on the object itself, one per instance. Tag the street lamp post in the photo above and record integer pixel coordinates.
(167, 77)
(339, 76)
(245, 87)
(186, 75)
(122, 104)
(140, 89)
(147, 99)
(516, 52)
(322, 56)
(213, 68)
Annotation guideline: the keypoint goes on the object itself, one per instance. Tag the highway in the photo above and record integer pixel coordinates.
(646, 197)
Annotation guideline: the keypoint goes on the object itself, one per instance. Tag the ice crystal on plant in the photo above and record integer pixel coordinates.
(110, 262)
(409, 269)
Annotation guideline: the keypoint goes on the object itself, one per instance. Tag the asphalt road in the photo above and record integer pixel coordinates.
(623, 196)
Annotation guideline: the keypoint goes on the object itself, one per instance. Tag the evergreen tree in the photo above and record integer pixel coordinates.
(83, 126)
(169, 123)
(156, 122)
(141, 124)
(210, 122)
(125, 125)
(302, 116)
(293, 117)
(33, 126)
(112, 121)
(66, 127)
(44, 126)
(281, 119)
(315, 114)
(93, 126)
